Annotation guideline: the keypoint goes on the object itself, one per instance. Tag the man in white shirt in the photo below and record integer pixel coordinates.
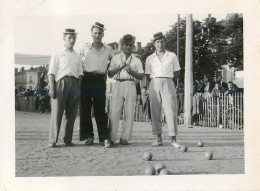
(65, 73)
(95, 57)
(162, 68)
(124, 68)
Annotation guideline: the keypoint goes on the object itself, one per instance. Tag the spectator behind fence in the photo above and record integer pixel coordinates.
(146, 104)
(208, 86)
(197, 107)
(180, 97)
(222, 86)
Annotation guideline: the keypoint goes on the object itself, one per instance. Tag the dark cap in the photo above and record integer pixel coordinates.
(70, 31)
(99, 25)
(158, 36)
(129, 39)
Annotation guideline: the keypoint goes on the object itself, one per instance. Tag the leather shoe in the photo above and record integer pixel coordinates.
(157, 143)
(89, 141)
(70, 144)
(123, 142)
(107, 143)
(51, 145)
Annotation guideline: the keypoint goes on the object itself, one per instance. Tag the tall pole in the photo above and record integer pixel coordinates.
(178, 37)
(188, 90)
(178, 43)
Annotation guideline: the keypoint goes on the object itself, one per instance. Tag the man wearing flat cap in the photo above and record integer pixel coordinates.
(162, 69)
(95, 57)
(124, 68)
(65, 73)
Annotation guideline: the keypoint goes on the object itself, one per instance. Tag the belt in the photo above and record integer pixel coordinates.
(73, 77)
(93, 74)
(123, 80)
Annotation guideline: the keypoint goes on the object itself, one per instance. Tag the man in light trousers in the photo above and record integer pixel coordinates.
(162, 69)
(65, 73)
(125, 68)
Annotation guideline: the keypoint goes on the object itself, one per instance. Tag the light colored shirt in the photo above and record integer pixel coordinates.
(162, 68)
(134, 63)
(96, 61)
(65, 63)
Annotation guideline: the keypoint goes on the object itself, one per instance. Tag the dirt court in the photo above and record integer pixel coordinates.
(34, 159)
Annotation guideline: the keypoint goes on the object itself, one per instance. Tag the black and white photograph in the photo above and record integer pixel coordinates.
(144, 97)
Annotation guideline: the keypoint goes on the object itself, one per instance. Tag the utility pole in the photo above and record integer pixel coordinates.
(178, 43)
(188, 86)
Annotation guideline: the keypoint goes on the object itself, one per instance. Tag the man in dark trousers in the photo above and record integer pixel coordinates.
(65, 73)
(95, 57)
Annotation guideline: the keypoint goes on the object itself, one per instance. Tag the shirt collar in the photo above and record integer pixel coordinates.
(65, 50)
(165, 55)
(123, 56)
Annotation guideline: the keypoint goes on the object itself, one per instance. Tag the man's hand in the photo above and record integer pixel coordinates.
(52, 93)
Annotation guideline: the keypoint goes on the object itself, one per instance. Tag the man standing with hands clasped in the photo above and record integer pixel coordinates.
(162, 69)
(124, 68)
(65, 73)
(95, 57)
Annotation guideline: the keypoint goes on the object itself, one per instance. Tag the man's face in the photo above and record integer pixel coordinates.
(127, 48)
(70, 40)
(97, 34)
(160, 44)
(219, 79)
(205, 79)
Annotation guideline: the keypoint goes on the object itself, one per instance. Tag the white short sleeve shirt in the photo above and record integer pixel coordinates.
(164, 68)
(94, 61)
(65, 63)
(134, 63)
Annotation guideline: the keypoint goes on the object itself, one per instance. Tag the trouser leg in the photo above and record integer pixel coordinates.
(58, 106)
(86, 126)
(71, 110)
(129, 107)
(115, 112)
(99, 103)
(169, 103)
(156, 105)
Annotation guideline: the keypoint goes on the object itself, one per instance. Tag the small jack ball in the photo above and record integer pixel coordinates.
(147, 156)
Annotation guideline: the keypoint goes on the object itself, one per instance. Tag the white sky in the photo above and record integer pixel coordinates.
(43, 34)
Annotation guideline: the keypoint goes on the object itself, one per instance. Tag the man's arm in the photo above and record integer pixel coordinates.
(113, 72)
(52, 91)
(138, 76)
(148, 77)
(176, 76)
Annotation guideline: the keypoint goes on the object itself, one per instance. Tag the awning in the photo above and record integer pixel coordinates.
(30, 59)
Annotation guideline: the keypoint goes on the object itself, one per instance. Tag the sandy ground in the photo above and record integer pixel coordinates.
(34, 159)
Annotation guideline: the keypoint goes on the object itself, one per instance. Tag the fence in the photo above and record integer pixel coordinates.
(225, 110)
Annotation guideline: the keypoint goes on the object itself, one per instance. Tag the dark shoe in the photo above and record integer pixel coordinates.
(89, 141)
(107, 143)
(68, 144)
(123, 142)
(51, 145)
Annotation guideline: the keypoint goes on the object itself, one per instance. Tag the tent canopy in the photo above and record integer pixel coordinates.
(30, 59)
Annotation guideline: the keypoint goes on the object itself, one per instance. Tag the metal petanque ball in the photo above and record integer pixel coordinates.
(164, 172)
(208, 155)
(158, 167)
(150, 170)
(147, 156)
(200, 144)
(184, 148)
